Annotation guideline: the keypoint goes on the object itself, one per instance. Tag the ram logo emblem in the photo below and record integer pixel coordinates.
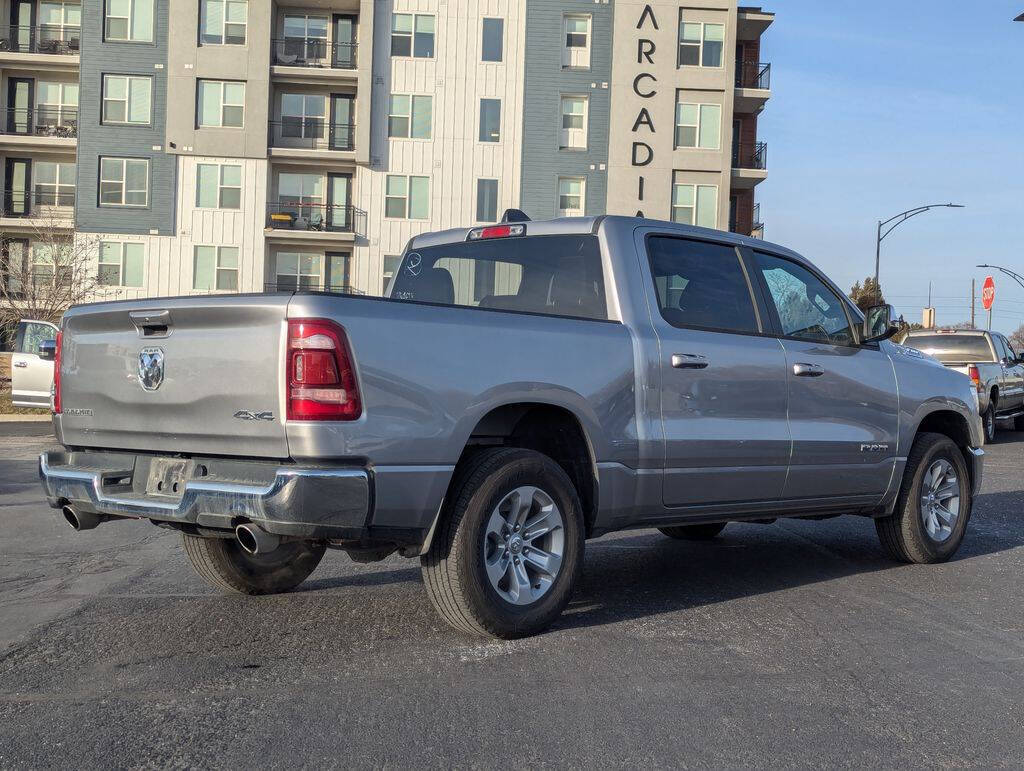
(151, 368)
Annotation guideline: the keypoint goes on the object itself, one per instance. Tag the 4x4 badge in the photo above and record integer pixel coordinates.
(250, 415)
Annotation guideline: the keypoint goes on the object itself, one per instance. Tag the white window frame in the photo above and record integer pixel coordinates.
(221, 186)
(407, 198)
(128, 19)
(696, 204)
(386, 276)
(306, 120)
(203, 4)
(57, 188)
(217, 267)
(61, 106)
(577, 57)
(319, 276)
(121, 263)
(46, 29)
(412, 36)
(124, 182)
(570, 212)
(697, 126)
(480, 119)
(700, 45)
(221, 84)
(410, 116)
(574, 138)
(130, 81)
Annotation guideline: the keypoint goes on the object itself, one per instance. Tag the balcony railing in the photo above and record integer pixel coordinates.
(313, 52)
(38, 203)
(750, 156)
(46, 39)
(753, 75)
(309, 284)
(41, 122)
(311, 134)
(300, 215)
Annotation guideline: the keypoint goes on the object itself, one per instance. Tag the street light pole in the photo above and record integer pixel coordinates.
(1015, 276)
(893, 223)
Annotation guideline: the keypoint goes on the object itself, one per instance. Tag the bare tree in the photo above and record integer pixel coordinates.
(1017, 340)
(44, 277)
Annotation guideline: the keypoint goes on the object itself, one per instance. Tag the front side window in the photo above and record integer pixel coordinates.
(54, 183)
(410, 116)
(701, 285)
(299, 270)
(698, 125)
(129, 21)
(576, 36)
(700, 44)
(807, 309)
(124, 182)
(121, 263)
(412, 35)
(490, 120)
(223, 22)
(127, 99)
(695, 204)
(492, 43)
(215, 267)
(218, 186)
(574, 122)
(407, 197)
(221, 104)
(487, 200)
(571, 196)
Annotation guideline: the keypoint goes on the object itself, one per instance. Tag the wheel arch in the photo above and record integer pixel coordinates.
(953, 424)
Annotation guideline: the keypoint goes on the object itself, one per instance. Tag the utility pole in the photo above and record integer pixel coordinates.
(973, 296)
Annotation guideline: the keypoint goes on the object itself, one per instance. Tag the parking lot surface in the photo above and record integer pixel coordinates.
(797, 643)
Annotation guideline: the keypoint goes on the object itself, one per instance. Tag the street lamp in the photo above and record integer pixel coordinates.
(1020, 18)
(895, 222)
(1015, 276)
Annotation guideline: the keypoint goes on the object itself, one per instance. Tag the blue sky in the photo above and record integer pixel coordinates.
(878, 107)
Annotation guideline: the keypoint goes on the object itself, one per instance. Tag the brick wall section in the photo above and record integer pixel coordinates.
(748, 138)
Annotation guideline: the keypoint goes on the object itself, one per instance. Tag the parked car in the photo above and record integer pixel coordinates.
(32, 364)
(991, 363)
(524, 387)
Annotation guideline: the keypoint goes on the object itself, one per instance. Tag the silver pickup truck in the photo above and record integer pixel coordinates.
(989, 360)
(523, 388)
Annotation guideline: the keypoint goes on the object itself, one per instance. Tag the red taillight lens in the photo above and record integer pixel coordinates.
(321, 378)
(972, 371)
(56, 375)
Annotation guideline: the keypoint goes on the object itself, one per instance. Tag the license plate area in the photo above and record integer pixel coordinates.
(166, 477)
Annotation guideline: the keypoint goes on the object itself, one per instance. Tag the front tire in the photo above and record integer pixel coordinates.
(223, 563)
(933, 506)
(694, 532)
(509, 549)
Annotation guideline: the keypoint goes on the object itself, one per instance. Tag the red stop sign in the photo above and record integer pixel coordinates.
(988, 293)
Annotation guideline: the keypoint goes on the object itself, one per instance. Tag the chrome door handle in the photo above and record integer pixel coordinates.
(808, 370)
(689, 361)
(20, 364)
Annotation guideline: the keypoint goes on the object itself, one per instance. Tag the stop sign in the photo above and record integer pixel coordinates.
(988, 293)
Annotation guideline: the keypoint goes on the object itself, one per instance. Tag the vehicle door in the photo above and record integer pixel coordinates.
(843, 400)
(31, 375)
(1012, 387)
(723, 381)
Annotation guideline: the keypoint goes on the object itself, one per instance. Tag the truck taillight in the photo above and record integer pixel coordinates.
(975, 376)
(56, 374)
(321, 377)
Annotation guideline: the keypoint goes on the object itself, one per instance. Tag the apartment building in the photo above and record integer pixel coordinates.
(235, 145)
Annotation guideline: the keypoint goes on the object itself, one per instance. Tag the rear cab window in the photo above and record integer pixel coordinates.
(952, 348)
(558, 275)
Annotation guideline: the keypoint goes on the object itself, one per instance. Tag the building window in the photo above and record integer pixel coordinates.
(576, 52)
(699, 125)
(410, 116)
(296, 270)
(493, 42)
(574, 122)
(490, 120)
(54, 183)
(305, 39)
(303, 115)
(60, 21)
(121, 263)
(127, 99)
(124, 182)
(407, 197)
(412, 35)
(571, 196)
(391, 265)
(487, 200)
(695, 204)
(700, 44)
(215, 267)
(221, 104)
(218, 186)
(129, 21)
(57, 103)
(223, 22)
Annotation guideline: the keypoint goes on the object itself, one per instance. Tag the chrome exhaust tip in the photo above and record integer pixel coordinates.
(80, 520)
(256, 540)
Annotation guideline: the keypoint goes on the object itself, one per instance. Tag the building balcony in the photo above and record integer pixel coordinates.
(38, 211)
(749, 164)
(312, 60)
(54, 129)
(754, 228)
(751, 22)
(46, 47)
(301, 221)
(310, 139)
(753, 86)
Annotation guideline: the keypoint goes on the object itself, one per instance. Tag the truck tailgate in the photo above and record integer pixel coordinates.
(195, 375)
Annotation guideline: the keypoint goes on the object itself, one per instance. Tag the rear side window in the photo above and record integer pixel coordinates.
(952, 348)
(807, 308)
(701, 285)
(558, 275)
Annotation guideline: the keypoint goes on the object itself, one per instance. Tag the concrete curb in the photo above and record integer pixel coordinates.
(25, 418)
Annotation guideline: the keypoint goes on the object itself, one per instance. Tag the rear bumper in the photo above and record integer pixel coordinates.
(284, 500)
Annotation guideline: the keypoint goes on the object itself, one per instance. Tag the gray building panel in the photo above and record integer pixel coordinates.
(546, 81)
(96, 140)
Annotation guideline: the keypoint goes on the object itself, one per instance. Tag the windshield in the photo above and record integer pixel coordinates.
(558, 275)
(953, 348)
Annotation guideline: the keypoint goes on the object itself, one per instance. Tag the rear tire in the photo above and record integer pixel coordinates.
(223, 563)
(988, 422)
(694, 532)
(483, 545)
(919, 531)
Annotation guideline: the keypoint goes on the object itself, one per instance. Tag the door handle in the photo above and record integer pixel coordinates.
(689, 361)
(20, 364)
(803, 369)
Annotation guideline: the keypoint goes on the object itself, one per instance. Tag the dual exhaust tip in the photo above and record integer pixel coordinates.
(252, 538)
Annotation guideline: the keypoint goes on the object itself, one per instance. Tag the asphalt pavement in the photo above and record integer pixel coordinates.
(795, 644)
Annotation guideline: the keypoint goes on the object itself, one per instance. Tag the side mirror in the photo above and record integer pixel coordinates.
(879, 324)
(48, 350)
